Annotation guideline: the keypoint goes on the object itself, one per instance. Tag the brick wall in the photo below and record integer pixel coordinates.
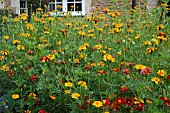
(108, 3)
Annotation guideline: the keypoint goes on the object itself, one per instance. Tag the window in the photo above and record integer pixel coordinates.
(23, 7)
(75, 7)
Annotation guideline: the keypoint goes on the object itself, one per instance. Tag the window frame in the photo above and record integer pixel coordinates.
(65, 8)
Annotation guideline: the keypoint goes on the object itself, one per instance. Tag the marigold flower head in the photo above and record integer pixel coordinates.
(68, 84)
(67, 91)
(27, 111)
(6, 37)
(52, 97)
(97, 104)
(75, 95)
(161, 72)
(140, 67)
(156, 80)
(15, 96)
(32, 95)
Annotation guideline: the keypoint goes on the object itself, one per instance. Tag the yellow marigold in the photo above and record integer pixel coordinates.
(82, 83)
(15, 96)
(67, 91)
(101, 63)
(99, 46)
(164, 5)
(119, 53)
(140, 67)
(149, 101)
(52, 97)
(27, 111)
(16, 42)
(147, 43)
(51, 56)
(161, 73)
(93, 64)
(6, 37)
(32, 95)
(2, 58)
(75, 95)
(5, 52)
(5, 68)
(24, 16)
(97, 104)
(68, 84)
(81, 33)
(155, 41)
(58, 43)
(83, 47)
(76, 61)
(156, 80)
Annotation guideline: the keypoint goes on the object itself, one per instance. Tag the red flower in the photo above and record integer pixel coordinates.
(86, 67)
(168, 77)
(124, 89)
(33, 78)
(63, 62)
(120, 101)
(37, 102)
(44, 59)
(146, 71)
(115, 70)
(42, 111)
(129, 101)
(164, 98)
(125, 71)
(168, 103)
(106, 102)
(101, 72)
(140, 106)
(30, 52)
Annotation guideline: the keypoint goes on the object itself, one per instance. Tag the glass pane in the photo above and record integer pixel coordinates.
(78, 7)
(70, 6)
(59, 7)
(22, 11)
(22, 4)
(52, 7)
(78, 0)
(70, 0)
(59, 0)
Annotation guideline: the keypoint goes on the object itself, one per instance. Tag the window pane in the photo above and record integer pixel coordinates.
(52, 7)
(70, 6)
(59, 7)
(22, 4)
(59, 0)
(70, 1)
(78, 7)
(78, 0)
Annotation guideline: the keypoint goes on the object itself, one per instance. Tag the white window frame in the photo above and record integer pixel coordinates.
(65, 8)
(2, 4)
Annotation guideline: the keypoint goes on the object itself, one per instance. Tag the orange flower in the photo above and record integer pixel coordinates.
(75, 95)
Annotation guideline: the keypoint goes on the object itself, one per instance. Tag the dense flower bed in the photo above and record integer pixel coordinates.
(110, 62)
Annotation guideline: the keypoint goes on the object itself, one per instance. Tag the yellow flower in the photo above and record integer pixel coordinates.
(51, 56)
(5, 68)
(52, 97)
(27, 111)
(16, 42)
(83, 47)
(140, 67)
(101, 63)
(156, 80)
(97, 104)
(58, 43)
(20, 47)
(32, 95)
(24, 16)
(68, 84)
(75, 95)
(161, 73)
(82, 83)
(5, 52)
(81, 33)
(149, 101)
(99, 46)
(93, 64)
(67, 91)
(15, 96)
(119, 53)
(147, 43)
(155, 41)
(164, 5)
(6, 37)
(2, 58)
